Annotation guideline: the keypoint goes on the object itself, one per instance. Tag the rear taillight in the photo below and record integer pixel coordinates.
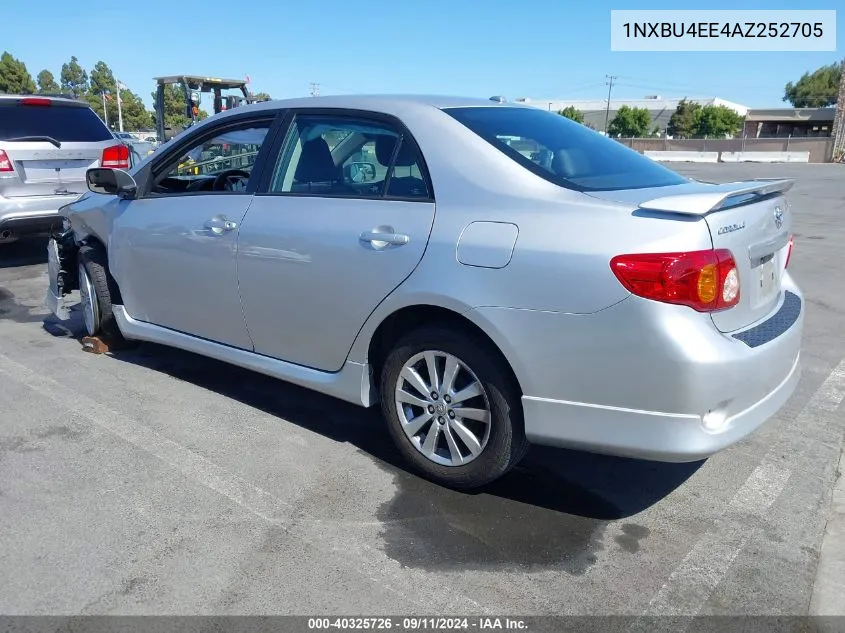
(5, 163)
(788, 250)
(706, 281)
(116, 157)
(35, 101)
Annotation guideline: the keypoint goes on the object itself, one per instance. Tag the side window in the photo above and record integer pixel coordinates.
(347, 157)
(218, 162)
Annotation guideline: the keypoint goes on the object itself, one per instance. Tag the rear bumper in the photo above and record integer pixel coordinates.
(649, 380)
(32, 215)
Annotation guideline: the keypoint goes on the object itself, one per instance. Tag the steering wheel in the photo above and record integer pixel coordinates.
(229, 179)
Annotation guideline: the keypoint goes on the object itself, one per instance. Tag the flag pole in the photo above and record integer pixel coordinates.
(119, 109)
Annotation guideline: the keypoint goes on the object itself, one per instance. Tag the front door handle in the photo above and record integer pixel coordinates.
(220, 225)
(381, 238)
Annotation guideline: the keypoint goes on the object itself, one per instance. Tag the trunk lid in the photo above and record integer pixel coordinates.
(752, 219)
(41, 169)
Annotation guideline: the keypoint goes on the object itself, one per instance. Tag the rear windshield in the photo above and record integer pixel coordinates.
(563, 151)
(63, 123)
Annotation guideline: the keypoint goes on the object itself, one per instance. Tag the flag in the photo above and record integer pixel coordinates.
(247, 79)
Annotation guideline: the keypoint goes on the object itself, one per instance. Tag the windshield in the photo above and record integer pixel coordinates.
(563, 151)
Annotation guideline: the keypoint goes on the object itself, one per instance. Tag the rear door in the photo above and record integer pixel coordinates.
(49, 144)
(343, 220)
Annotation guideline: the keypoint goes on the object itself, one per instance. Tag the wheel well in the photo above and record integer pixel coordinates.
(95, 243)
(410, 318)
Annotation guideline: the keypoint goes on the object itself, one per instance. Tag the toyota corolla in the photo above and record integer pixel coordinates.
(491, 274)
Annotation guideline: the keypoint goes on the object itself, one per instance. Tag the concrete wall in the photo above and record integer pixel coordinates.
(820, 149)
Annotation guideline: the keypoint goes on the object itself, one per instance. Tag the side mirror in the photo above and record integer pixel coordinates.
(362, 172)
(111, 182)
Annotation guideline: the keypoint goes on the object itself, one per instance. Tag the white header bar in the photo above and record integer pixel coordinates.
(706, 30)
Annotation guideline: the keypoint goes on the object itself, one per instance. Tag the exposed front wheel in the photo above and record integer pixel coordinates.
(96, 289)
(452, 408)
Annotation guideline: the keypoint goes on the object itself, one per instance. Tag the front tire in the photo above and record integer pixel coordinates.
(96, 289)
(452, 408)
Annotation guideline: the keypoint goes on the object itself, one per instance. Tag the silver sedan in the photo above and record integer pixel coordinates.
(492, 274)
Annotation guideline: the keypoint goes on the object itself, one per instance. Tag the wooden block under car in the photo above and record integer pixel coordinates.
(98, 345)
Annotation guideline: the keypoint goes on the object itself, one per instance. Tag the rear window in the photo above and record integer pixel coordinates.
(563, 151)
(63, 123)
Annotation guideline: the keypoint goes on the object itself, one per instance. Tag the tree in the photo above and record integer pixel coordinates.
(102, 79)
(718, 121)
(573, 113)
(818, 89)
(684, 120)
(74, 78)
(14, 77)
(262, 96)
(630, 122)
(47, 83)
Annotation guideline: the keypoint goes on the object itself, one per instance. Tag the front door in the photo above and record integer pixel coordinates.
(173, 249)
(344, 220)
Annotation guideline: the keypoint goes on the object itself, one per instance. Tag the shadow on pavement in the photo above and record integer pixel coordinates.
(550, 511)
(27, 251)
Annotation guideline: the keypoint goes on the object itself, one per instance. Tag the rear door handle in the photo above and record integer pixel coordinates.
(220, 225)
(378, 238)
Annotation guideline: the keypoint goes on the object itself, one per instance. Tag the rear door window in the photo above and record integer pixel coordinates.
(66, 124)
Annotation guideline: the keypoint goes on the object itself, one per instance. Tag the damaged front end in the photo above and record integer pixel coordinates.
(62, 267)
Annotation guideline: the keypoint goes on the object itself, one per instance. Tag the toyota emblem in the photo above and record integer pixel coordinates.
(778, 217)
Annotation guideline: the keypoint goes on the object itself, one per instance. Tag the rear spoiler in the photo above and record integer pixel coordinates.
(721, 196)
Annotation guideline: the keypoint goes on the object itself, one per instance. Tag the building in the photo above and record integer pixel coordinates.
(789, 122)
(660, 109)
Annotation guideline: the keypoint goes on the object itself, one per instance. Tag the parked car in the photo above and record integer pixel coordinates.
(46, 146)
(598, 300)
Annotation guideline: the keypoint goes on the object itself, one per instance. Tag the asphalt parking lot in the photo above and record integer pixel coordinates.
(156, 481)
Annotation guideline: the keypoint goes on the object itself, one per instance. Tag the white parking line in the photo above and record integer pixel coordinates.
(703, 568)
(361, 558)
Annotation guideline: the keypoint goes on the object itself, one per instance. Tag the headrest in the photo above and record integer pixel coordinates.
(315, 163)
(385, 145)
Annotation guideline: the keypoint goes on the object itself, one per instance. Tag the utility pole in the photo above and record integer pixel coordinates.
(315, 89)
(609, 82)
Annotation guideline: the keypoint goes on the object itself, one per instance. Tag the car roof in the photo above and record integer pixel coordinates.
(387, 103)
(70, 101)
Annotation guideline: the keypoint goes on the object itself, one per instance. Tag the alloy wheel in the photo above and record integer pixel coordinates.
(90, 307)
(443, 408)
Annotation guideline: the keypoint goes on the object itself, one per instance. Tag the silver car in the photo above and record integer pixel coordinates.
(46, 146)
(493, 274)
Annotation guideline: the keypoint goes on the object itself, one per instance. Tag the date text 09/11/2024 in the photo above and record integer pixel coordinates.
(417, 623)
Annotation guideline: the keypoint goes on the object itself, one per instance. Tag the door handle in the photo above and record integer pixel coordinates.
(220, 225)
(392, 239)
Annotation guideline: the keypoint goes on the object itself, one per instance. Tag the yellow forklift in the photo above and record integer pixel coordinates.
(192, 88)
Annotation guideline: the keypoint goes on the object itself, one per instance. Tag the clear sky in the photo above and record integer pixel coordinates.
(543, 49)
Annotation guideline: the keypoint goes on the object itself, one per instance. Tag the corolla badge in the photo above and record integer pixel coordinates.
(778, 217)
(730, 228)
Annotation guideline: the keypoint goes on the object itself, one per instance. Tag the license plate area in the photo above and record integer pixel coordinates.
(766, 280)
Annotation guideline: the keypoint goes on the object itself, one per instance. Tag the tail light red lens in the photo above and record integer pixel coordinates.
(706, 281)
(5, 163)
(116, 157)
(788, 251)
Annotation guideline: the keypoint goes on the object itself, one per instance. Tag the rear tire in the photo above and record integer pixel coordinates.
(461, 435)
(96, 288)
